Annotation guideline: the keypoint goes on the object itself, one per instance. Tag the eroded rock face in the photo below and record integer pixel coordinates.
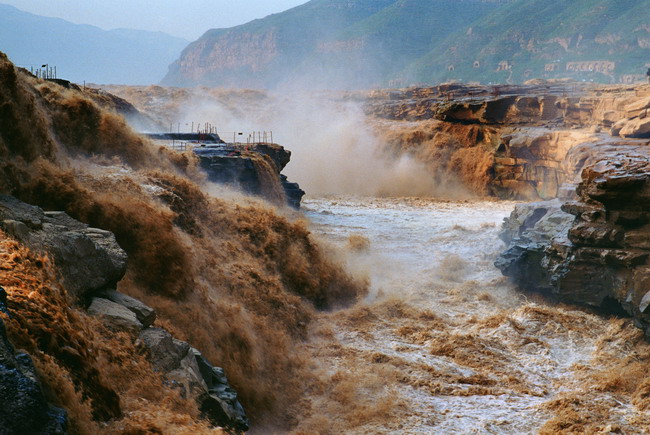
(513, 142)
(594, 250)
(88, 259)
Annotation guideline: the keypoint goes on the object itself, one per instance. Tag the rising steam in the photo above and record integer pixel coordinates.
(334, 149)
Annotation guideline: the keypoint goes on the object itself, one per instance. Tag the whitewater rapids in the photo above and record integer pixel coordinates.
(444, 344)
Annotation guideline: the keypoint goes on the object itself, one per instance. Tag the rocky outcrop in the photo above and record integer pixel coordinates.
(23, 407)
(183, 366)
(594, 250)
(144, 314)
(515, 142)
(255, 169)
(636, 123)
(88, 259)
(115, 316)
(188, 370)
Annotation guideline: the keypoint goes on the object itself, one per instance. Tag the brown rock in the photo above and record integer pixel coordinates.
(115, 315)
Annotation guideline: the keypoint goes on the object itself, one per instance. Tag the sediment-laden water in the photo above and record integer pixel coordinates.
(444, 344)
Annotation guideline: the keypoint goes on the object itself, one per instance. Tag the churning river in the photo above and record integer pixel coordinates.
(444, 344)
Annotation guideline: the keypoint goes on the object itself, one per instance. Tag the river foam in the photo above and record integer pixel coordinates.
(443, 343)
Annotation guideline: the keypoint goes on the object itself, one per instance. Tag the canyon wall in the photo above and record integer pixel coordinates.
(353, 44)
(519, 142)
(323, 44)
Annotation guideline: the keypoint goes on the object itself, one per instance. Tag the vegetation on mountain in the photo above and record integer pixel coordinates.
(541, 38)
(323, 43)
(362, 43)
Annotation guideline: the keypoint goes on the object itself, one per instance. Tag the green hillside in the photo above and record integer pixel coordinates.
(364, 43)
(540, 38)
(324, 43)
(391, 39)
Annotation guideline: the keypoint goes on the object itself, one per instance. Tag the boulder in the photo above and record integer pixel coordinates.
(637, 128)
(617, 127)
(637, 108)
(88, 259)
(528, 233)
(187, 377)
(145, 315)
(187, 369)
(220, 404)
(165, 352)
(115, 316)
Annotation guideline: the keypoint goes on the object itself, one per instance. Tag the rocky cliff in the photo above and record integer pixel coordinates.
(592, 250)
(589, 245)
(89, 263)
(323, 44)
(255, 169)
(523, 142)
(583, 148)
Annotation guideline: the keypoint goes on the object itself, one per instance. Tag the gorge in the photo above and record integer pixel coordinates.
(375, 309)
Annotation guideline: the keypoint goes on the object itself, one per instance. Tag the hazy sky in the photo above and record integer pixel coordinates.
(184, 18)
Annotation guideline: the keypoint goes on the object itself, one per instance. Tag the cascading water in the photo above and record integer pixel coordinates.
(443, 343)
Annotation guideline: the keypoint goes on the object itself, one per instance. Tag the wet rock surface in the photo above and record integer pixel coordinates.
(23, 407)
(183, 366)
(88, 259)
(594, 250)
(91, 263)
(240, 166)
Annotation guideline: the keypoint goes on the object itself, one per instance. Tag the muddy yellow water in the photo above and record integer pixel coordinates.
(444, 344)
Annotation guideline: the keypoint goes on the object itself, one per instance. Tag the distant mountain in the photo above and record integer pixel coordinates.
(601, 40)
(324, 43)
(361, 43)
(82, 52)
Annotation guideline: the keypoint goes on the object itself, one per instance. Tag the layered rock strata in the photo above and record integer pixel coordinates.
(594, 250)
(508, 141)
